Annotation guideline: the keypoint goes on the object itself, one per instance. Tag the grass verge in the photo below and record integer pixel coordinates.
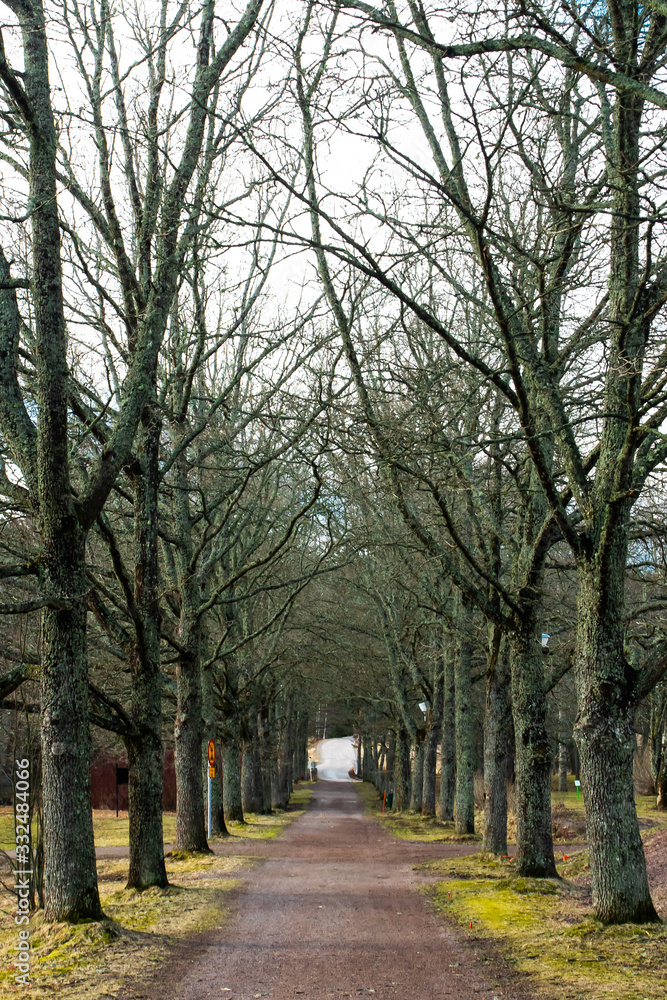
(412, 826)
(567, 811)
(113, 831)
(95, 959)
(546, 929)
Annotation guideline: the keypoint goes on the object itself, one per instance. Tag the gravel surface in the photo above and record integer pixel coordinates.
(333, 910)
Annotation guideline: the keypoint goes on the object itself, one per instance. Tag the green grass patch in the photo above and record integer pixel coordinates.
(545, 928)
(7, 830)
(412, 826)
(649, 814)
(113, 831)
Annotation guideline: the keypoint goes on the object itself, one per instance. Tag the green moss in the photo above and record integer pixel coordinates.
(545, 928)
(410, 825)
(192, 858)
(140, 929)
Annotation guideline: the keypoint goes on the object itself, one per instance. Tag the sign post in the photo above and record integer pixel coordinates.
(577, 783)
(211, 775)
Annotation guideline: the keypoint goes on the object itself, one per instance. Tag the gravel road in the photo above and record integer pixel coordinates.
(333, 910)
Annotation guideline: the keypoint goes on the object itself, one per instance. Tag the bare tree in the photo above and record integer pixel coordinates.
(65, 510)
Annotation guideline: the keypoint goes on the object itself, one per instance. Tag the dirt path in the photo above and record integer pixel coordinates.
(333, 911)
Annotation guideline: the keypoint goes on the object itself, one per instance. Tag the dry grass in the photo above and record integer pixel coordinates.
(112, 831)
(567, 810)
(94, 959)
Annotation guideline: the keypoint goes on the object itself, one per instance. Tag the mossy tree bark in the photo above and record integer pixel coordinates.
(70, 878)
(402, 770)
(188, 738)
(464, 805)
(532, 755)
(266, 756)
(448, 742)
(280, 790)
(145, 751)
(252, 791)
(604, 732)
(188, 728)
(434, 729)
(417, 781)
(391, 762)
(608, 685)
(232, 798)
(563, 750)
(497, 720)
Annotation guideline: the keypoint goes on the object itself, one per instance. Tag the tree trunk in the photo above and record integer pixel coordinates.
(190, 820)
(70, 873)
(661, 785)
(278, 798)
(389, 782)
(464, 806)
(532, 758)
(367, 760)
(496, 750)
(402, 770)
(285, 759)
(658, 738)
(417, 778)
(277, 770)
(431, 742)
(231, 795)
(563, 751)
(144, 752)
(380, 771)
(266, 756)
(605, 736)
(448, 744)
(251, 787)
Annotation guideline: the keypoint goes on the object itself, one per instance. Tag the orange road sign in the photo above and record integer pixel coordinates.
(211, 753)
(211, 772)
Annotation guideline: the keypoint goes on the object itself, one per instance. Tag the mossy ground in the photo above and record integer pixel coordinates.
(411, 826)
(94, 959)
(546, 929)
